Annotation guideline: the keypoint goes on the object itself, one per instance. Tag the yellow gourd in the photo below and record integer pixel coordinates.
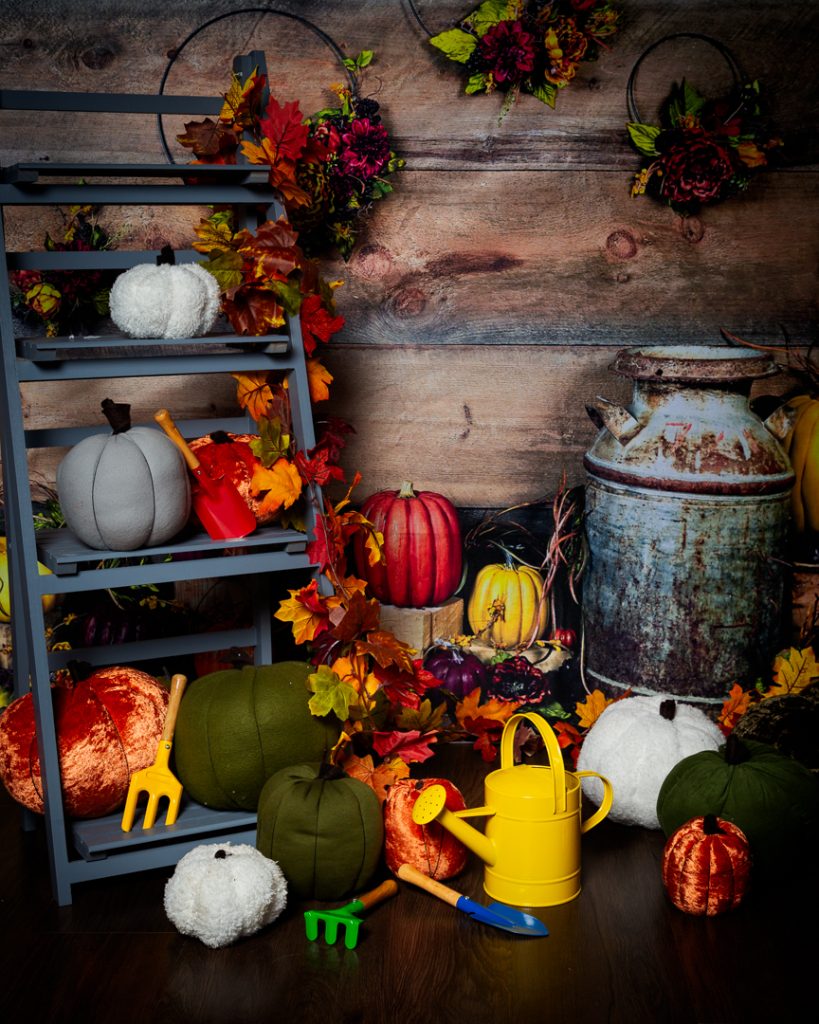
(802, 446)
(5, 594)
(513, 597)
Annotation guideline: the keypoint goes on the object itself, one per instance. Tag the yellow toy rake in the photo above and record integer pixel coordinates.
(158, 780)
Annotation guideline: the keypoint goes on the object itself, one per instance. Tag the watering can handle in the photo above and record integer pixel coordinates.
(605, 803)
(552, 748)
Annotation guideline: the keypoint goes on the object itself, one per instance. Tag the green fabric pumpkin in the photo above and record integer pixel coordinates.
(772, 798)
(323, 828)
(238, 727)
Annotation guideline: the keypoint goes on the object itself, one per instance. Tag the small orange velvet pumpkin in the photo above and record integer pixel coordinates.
(706, 866)
(428, 848)
(108, 727)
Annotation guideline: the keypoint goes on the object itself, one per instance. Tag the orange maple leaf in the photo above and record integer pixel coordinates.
(493, 709)
(592, 708)
(254, 393)
(736, 704)
(319, 379)
(281, 482)
(308, 611)
(380, 778)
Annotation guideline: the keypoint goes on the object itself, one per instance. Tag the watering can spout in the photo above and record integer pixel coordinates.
(431, 806)
(614, 418)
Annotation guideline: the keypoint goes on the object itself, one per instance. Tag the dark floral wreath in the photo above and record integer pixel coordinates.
(703, 151)
(329, 168)
(533, 46)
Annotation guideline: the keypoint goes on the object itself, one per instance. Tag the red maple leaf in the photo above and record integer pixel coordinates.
(316, 467)
(317, 324)
(409, 745)
(284, 128)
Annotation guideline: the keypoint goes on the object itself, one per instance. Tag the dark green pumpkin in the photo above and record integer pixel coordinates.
(772, 798)
(325, 831)
(238, 727)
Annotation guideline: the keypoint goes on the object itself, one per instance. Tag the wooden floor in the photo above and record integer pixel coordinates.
(619, 953)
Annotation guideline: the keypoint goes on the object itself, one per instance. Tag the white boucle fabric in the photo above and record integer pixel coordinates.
(221, 892)
(165, 301)
(635, 747)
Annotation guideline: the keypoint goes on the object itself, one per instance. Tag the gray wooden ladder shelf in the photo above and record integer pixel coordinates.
(84, 850)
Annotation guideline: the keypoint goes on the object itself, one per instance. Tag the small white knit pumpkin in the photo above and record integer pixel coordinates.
(635, 743)
(221, 892)
(165, 301)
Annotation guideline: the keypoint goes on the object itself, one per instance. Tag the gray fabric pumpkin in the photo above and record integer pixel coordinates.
(125, 490)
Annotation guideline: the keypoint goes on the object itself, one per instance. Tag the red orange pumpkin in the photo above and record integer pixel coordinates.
(706, 866)
(429, 848)
(108, 727)
(423, 554)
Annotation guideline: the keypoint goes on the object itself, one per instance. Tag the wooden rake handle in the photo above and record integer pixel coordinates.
(178, 684)
(377, 895)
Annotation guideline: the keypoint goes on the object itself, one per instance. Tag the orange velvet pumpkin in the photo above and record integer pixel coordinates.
(428, 848)
(108, 727)
(706, 866)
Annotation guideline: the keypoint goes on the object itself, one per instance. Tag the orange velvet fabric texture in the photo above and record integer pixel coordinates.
(428, 848)
(108, 727)
(706, 873)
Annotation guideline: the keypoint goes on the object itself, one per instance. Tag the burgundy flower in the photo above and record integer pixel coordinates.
(508, 51)
(366, 148)
(583, 5)
(696, 167)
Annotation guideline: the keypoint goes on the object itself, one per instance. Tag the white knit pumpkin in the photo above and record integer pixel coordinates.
(221, 892)
(165, 301)
(634, 745)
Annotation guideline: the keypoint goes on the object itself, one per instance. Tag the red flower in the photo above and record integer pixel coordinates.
(696, 167)
(367, 148)
(508, 51)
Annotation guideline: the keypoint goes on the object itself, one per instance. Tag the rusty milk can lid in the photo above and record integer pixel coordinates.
(701, 364)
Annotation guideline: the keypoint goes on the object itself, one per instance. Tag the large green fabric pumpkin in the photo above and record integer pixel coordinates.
(323, 828)
(238, 727)
(772, 798)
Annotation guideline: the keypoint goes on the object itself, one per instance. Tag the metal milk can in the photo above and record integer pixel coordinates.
(687, 500)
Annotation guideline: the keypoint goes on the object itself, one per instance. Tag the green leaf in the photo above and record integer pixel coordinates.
(489, 14)
(546, 93)
(456, 44)
(330, 693)
(693, 102)
(271, 444)
(100, 301)
(364, 58)
(477, 82)
(644, 137)
(226, 268)
(289, 293)
(349, 63)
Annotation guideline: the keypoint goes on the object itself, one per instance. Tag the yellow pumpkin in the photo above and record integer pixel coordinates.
(513, 596)
(802, 446)
(5, 595)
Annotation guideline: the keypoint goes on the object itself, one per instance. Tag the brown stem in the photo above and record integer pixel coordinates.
(118, 415)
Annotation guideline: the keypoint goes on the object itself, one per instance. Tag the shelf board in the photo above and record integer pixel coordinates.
(188, 558)
(100, 837)
(60, 349)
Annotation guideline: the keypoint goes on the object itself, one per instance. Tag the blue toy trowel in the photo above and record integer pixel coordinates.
(498, 915)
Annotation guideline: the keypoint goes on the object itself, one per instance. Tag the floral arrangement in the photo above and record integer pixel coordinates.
(532, 46)
(704, 150)
(329, 168)
(66, 300)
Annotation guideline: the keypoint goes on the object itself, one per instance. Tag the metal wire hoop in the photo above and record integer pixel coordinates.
(730, 60)
(328, 41)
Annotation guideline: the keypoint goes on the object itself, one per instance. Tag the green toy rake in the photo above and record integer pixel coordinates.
(345, 917)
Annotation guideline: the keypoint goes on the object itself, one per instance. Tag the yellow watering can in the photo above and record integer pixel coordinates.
(531, 844)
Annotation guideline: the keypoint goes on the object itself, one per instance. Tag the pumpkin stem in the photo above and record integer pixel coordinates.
(220, 854)
(330, 772)
(220, 437)
(166, 255)
(406, 490)
(118, 415)
(668, 709)
(710, 825)
(735, 750)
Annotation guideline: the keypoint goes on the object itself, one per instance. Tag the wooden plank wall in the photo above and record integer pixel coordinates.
(489, 294)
